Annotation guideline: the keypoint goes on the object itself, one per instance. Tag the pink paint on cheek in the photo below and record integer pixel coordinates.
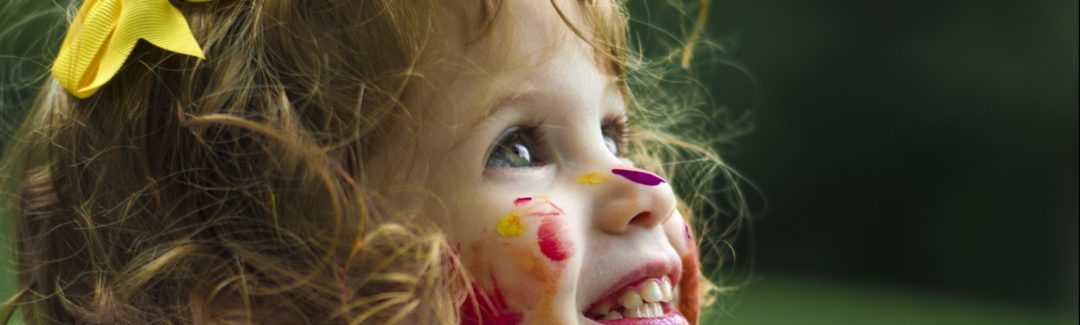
(522, 200)
(639, 176)
(550, 245)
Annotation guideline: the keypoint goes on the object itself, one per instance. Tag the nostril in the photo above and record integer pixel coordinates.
(641, 219)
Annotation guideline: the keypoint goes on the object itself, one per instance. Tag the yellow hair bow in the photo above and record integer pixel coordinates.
(105, 31)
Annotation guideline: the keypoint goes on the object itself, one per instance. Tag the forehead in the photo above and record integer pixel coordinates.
(526, 51)
(514, 32)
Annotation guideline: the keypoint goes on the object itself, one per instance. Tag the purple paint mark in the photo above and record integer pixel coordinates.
(686, 229)
(639, 176)
(522, 200)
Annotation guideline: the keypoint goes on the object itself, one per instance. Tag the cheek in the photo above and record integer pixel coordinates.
(499, 271)
(548, 238)
(515, 270)
(679, 234)
(517, 262)
(510, 226)
(524, 279)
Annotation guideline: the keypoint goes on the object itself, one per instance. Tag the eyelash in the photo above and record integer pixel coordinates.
(616, 127)
(531, 138)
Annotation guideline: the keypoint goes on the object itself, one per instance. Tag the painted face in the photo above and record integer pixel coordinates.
(519, 141)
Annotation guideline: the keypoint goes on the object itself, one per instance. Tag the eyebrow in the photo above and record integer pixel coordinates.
(505, 99)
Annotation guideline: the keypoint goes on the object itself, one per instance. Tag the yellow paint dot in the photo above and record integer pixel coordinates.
(593, 178)
(510, 226)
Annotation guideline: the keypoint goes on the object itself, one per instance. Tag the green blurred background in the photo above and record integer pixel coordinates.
(917, 159)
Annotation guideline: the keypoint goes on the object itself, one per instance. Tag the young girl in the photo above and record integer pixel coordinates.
(344, 161)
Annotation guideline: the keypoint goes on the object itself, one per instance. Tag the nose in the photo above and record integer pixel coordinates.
(633, 199)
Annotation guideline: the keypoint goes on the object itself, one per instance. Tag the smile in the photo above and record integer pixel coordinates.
(649, 298)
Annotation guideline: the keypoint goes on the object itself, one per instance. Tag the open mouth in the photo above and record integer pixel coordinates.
(652, 297)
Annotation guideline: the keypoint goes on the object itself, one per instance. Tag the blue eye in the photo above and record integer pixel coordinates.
(615, 135)
(611, 144)
(517, 148)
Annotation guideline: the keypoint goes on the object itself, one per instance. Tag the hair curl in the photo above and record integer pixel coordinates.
(228, 190)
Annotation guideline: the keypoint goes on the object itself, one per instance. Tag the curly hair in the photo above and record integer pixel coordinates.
(229, 190)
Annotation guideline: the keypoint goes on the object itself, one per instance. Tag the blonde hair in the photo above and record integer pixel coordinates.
(228, 190)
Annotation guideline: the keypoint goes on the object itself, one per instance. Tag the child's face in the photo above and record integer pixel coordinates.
(518, 137)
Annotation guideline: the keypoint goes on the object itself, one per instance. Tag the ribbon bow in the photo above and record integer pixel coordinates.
(105, 31)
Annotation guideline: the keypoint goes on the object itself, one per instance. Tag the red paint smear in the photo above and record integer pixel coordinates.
(522, 200)
(557, 208)
(639, 176)
(689, 299)
(548, 213)
(550, 245)
(481, 308)
(544, 214)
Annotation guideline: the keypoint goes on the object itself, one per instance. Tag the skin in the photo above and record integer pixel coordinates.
(578, 238)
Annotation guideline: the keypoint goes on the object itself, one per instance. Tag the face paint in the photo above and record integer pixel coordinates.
(689, 299)
(491, 308)
(556, 207)
(593, 178)
(534, 303)
(554, 211)
(639, 176)
(688, 234)
(546, 279)
(550, 244)
(522, 200)
(536, 290)
(510, 226)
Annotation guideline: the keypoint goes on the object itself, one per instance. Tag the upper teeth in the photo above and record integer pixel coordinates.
(641, 302)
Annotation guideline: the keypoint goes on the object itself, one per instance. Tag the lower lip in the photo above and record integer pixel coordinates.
(672, 317)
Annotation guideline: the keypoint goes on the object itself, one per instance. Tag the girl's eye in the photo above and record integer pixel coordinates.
(611, 144)
(615, 136)
(517, 148)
